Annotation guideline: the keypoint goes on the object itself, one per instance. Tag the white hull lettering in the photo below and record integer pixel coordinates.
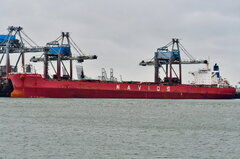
(168, 89)
(158, 88)
(117, 86)
(139, 88)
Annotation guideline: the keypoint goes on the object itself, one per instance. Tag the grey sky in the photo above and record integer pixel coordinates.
(122, 33)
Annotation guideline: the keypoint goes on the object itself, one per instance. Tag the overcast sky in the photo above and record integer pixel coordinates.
(124, 32)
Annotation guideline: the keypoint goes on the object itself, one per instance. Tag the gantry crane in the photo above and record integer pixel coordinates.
(9, 44)
(60, 50)
(170, 55)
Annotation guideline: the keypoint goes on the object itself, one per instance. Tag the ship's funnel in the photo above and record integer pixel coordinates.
(216, 69)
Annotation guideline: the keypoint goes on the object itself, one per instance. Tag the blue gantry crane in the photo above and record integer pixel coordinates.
(167, 56)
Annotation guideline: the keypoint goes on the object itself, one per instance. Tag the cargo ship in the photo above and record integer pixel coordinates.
(34, 85)
(167, 84)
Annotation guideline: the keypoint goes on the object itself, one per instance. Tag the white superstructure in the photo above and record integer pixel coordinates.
(206, 76)
(202, 77)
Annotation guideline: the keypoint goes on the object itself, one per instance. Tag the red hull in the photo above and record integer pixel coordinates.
(33, 85)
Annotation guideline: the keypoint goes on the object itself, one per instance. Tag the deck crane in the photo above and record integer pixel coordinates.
(169, 57)
(60, 50)
(14, 42)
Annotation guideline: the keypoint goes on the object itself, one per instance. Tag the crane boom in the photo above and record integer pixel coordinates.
(54, 58)
(24, 49)
(152, 63)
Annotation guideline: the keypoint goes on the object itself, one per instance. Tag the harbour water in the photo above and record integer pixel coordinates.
(119, 129)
